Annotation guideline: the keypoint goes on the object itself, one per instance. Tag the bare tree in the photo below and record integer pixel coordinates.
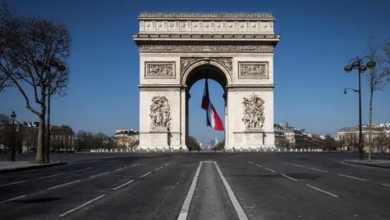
(378, 78)
(33, 56)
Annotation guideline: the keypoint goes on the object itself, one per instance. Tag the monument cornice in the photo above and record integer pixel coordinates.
(205, 16)
(206, 37)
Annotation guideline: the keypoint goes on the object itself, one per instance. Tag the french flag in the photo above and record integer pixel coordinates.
(213, 118)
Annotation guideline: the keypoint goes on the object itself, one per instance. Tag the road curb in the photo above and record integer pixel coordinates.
(6, 170)
(367, 164)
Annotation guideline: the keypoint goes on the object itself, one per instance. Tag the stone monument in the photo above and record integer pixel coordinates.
(178, 49)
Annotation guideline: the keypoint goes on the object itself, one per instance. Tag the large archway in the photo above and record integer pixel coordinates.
(178, 49)
(213, 73)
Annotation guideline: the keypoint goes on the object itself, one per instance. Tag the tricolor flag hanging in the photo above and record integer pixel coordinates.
(212, 116)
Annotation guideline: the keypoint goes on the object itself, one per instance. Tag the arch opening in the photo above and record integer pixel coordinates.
(196, 128)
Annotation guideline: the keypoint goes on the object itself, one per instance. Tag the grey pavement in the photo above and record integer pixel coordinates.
(156, 186)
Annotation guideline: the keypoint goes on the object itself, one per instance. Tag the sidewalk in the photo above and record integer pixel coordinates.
(9, 166)
(372, 163)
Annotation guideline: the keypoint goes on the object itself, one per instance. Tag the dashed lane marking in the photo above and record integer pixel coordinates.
(123, 185)
(319, 170)
(259, 165)
(385, 184)
(80, 206)
(352, 177)
(269, 169)
(186, 205)
(57, 174)
(157, 168)
(100, 174)
(146, 174)
(240, 212)
(13, 183)
(12, 199)
(298, 165)
(61, 185)
(323, 191)
(289, 177)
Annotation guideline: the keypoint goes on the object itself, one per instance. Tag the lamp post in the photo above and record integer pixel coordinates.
(358, 64)
(51, 68)
(13, 148)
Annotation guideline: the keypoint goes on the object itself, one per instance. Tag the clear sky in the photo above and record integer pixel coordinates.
(317, 40)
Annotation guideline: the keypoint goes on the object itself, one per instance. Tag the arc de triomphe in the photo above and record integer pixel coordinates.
(178, 49)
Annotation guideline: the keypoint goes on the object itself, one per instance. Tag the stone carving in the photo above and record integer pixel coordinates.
(160, 70)
(160, 113)
(156, 48)
(253, 112)
(253, 70)
(224, 61)
(194, 15)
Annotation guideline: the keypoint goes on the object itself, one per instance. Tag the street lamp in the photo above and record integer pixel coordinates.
(358, 63)
(51, 68)
(13, 148)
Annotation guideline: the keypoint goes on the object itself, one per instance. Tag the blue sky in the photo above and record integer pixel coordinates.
(317, 40)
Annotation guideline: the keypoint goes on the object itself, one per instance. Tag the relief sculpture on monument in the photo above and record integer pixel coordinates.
(160, 113)
(253, 112)
(160, 70)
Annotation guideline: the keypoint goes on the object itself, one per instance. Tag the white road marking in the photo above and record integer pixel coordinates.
(157, 168)
(123, 185)
(12, 199)
(13, 183)
(298, 165)
(134, 165)
(352, 177)
(319, 170)
(146, 174)
(81, 206)
(250, 162)
(289, 177)
(259, 165)
(100, 174)
(285, 162)
(323, 191)
(119, 169)
(186, 205)
(61, 185)
(240, 212)
(271, 170)
(57, 174)
(385, 184)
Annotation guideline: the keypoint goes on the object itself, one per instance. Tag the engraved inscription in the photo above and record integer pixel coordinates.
(253, 70)
(160, 70)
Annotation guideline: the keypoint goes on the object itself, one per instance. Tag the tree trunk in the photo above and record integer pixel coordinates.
(39, 158)
(370, 125)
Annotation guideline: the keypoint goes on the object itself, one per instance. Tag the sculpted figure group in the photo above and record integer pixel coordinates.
(160, 112)
(253, 112)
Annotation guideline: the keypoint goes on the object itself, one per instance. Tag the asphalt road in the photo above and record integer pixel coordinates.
(198, 186)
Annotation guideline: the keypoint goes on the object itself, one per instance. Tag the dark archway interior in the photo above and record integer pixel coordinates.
(206, 71)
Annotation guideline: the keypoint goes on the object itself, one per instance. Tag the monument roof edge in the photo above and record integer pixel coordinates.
(207, 15)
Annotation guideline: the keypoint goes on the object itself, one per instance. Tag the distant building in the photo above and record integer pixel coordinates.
(126, 138)
(349, 137)
(62, 138)
(290, 137)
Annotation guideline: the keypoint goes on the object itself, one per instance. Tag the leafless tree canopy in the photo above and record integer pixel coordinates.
(33, 56)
